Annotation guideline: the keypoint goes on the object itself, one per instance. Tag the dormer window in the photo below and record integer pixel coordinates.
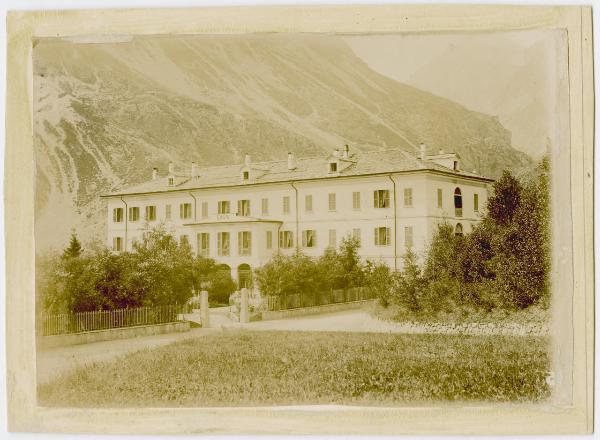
(455, 165)
(171, 181)
(333, 167)
(246, 175)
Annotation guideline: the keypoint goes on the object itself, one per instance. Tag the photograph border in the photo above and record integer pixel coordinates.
(572, 244)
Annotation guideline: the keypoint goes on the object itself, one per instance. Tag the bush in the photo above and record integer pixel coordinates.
(158, 271)
(220, 287)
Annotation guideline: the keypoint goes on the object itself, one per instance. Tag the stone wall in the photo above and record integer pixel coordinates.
(110, 334)
(315, 310)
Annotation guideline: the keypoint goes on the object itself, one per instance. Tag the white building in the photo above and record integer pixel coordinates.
(240, 215)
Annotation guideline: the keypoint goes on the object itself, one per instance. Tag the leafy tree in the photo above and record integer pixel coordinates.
(410, 284)
(504, 202)
(380, 280)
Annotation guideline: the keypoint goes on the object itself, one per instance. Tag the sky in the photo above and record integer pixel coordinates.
(513, 75)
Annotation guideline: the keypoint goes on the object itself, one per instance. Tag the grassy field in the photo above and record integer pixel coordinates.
(267, 368)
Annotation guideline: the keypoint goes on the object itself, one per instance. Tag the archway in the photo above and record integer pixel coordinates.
(457, 202)
(223, 268)
(244, 276)
(458, 231)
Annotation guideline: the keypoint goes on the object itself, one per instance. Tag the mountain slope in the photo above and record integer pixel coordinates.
(105, 114)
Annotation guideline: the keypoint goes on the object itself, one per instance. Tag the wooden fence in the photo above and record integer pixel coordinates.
(106, 319)
(299, 300)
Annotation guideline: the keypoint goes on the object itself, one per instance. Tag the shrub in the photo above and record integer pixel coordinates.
(379, 279)
(220, 287)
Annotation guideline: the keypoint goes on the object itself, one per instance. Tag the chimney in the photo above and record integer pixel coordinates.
(171, 169)
(154, 173)
(422, 151)
(194, 170)
(247, 160)
(346, 153)
(291, 161)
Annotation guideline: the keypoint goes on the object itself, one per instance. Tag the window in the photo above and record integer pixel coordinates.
(332, 238)
(408, 236)
(458, 202)
(185, 210)
(204, 244)
(286, 239)
(309, 238)
(269, 239)
(356, 200)
(382, 236)
(356, 235)
(333, 167)
(134, 214)
(167, 212)
(204, 209)
(243, 208)
(223, 244)
(381, 198)
(440, 198)
(223, 207)
(117, 215)
(118, 243)
(246, 175)
(332, 201)
(308, 203)
(458, 231)
(150, 213)
(184, 240)
(408, 197)
(264, 204)
(244, 243)
(286, 204)
(455, 165)
(476, 202)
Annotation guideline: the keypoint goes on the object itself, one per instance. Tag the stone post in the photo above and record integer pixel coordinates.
(204, 310)
(244, 315)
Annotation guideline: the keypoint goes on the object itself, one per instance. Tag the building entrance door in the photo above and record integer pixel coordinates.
(244, 276)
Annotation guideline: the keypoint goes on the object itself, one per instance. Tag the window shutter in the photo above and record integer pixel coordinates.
(181, 209)
(114, 216)
(376, 199)
(386, 195)
(280, 239)
(239, 208)
(387, 236)
(376, 235)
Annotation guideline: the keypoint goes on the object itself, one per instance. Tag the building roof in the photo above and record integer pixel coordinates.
(307, 168)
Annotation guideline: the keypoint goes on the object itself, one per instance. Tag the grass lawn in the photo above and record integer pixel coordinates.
(277, 368)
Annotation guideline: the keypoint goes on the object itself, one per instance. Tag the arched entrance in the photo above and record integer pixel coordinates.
(244, 276)
(223, 268)
(458, 231)
(457, 202)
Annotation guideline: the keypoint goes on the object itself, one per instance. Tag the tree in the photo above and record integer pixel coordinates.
(162, 269)
(74, 249)
(503, 204)
(410, 283)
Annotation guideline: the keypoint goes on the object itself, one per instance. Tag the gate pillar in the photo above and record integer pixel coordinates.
(204, 310)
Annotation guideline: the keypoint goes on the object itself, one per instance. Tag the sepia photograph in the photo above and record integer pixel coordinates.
(298, 219)
(288, 218)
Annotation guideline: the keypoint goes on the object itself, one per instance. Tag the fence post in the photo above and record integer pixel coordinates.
(244, 315)
(204, 309)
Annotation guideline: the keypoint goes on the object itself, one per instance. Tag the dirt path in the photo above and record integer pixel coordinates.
(53, 362)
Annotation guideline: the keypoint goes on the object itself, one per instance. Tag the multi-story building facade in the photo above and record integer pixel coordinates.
(241, 215)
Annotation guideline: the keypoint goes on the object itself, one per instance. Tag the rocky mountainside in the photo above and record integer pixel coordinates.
(106, 113)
